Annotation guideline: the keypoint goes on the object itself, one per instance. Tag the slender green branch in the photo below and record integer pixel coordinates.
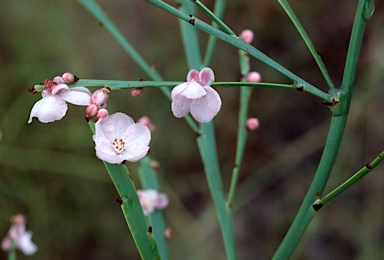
(348, 183)
(335, 134)
(99, 14)
(284, 4)
(190, 37)
(240, 44)
(132, 210)
(207, 147)
(245, 95)
(218, 11)
(214, 18)
(148, 179)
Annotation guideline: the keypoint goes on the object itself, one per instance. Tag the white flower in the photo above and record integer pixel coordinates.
(53, 105)
(196, 96)
(151, 200)
(17, 236)
(118, 138)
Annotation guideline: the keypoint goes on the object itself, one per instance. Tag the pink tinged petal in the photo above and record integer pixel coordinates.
(58, 79)
(193, 75)
(137, 138)
(26, 245)
(178, 89)
(206, 76)
(162, 201)
(193, 90)
(76, 97)
(207, 107)
(59, 87)
(180, 106)
(49, 109)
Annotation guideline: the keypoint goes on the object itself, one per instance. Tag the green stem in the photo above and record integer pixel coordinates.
(219, 11)
(332, 145)
(245, 95)
(309, 44)
(148, 179)
(207, 147)
(132, 210)
(240, 44)
(99, 14)
(348, 183)
(214, 18)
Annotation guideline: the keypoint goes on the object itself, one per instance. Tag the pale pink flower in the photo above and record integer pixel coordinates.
(252, 123)
(53, 105)
(118, 138)
(196, 96)
(151, 200)
(18, 237)
(247, 36)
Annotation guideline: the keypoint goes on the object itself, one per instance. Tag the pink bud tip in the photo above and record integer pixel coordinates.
(254, 77)
(102, 113)
(154, 164)
(100, 97)
(68, 77)
(169, 233)
(247, 36)
(91, 110)
(136, 92)
(147, 122)
(253, 123)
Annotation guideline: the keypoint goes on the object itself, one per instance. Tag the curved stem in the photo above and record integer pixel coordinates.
(348, 183)
(240, 44)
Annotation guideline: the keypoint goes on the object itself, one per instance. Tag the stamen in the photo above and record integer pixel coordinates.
(118, 145)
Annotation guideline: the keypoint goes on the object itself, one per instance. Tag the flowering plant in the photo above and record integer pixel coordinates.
(121, 142)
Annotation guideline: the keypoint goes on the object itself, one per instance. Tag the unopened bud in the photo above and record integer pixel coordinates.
(102, 113)
(69, 77)
(136, 92)
(252, 123)
(154, 164)
(247, 36)
(254, 77)
(100, 97)
(147, 122)
(91, 110)
(169, 233)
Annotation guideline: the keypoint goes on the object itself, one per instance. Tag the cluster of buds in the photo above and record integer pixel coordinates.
(98, 104)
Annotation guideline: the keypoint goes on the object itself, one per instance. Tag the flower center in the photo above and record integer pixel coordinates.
(118, 145)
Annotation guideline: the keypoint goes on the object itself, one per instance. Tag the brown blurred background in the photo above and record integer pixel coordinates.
(50, 173)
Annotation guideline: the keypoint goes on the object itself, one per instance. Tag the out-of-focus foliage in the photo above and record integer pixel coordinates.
(50, 173)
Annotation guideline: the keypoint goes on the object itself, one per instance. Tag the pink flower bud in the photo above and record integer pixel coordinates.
(154, 164)
(136, 92)
(169, 233)
(100, 97)
(247, 36)
(254, 77)
(91, 110)
(69, 77)
(252, 123)
(102, 113)
(147, 122)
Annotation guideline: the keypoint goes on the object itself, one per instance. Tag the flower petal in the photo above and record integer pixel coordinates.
(58, 87)
(193, 75)
(137, 138)
(180, 106)
(178, 89)
(105, 151)
(193, 90)
(206, 76)
(49, 109)
(26, 245)
(206, 108)
(77, 96)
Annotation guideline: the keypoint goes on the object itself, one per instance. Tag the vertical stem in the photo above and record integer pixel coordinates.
(332, 145)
